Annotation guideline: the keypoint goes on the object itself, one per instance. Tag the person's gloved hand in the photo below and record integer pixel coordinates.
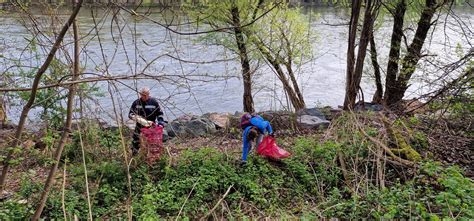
(162, 123)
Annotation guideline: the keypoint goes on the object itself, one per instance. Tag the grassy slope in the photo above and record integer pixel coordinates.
(311, 184)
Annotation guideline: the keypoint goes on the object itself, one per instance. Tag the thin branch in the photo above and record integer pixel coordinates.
(132, 12)
(192, 189)
(34, 90)
(218, 202)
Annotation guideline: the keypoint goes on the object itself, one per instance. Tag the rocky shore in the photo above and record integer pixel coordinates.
(210, 123)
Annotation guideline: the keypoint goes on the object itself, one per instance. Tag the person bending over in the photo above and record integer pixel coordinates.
(255, 127)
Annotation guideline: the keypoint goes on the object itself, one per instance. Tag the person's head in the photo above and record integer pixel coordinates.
(245, 120)
(144, 93)
(253, 133)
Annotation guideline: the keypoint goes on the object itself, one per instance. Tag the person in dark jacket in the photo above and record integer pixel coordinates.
(148, 108)
(254, 126)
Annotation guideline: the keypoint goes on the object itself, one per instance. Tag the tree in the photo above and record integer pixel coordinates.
(232, 14)
(3, 114)
(378, 95)
(67, 124)
(244, 59)
(395, 45)
(355, 67)
(397, 82)
(279, 37)
(34, 89)
(283, 39)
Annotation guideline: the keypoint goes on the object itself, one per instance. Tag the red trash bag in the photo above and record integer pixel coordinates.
(151, 141)
(269, 148)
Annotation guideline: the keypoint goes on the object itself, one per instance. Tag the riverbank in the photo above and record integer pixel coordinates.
(199, 177)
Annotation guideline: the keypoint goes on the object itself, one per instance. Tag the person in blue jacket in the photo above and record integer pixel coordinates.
(254, 126)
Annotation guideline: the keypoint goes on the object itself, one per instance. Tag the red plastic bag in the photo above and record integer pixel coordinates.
(269, 148)
(151, 141)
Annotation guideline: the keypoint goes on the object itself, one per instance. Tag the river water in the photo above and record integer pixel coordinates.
(133, 43)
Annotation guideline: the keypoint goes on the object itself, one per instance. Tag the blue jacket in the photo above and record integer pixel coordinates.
(263, 127)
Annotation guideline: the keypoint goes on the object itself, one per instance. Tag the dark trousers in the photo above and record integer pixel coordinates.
(136, 139)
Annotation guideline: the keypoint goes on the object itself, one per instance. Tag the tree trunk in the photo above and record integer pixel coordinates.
(67, 125)
(362, 52)
(296, 89)
(296, 102)
(353, 85)
(394, 54)
(34, 89)
(3, 112)
(351, 92)
(291, 74)
(378, 79)
(413, 55)
(244, 60)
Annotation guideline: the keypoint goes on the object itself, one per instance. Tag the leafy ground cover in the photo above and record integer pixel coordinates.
(339, 173)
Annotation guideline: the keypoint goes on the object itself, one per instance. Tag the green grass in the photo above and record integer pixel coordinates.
(308, 185)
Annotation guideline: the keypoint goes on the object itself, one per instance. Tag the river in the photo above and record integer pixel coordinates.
(322, 76)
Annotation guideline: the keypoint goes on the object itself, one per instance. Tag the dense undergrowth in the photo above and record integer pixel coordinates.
(340, 174)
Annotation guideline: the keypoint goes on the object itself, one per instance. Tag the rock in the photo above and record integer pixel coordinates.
(366, 106)
(176, 128)
(186, 117)
(312, 122)
(333, 113)
(165, 135)
(234, 121)
(200, 127)
(23, 201)
(221, 121)
(192, 126)
(311, 112)
(280, 120)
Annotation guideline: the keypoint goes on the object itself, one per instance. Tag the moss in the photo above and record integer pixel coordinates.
(405, 148)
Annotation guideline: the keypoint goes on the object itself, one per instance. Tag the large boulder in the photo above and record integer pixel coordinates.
(176, 128)
(200, 127)
(221, 121)
(313, 118)
(312, 122)
(234, 120)
(190, 126)
(280, 120)
(315, 112)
